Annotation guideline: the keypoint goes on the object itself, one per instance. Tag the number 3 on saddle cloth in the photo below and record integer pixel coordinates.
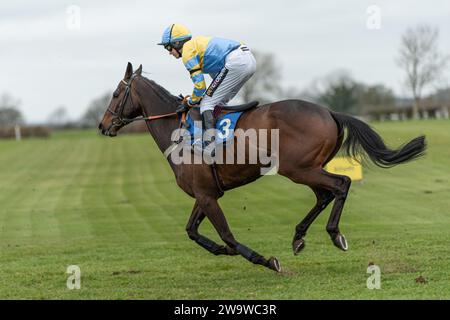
(225, 125)
(227, 118)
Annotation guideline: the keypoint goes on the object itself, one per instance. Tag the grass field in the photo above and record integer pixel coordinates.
(111, 206)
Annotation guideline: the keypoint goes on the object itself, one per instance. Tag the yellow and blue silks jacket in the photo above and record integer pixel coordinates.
(205, 55)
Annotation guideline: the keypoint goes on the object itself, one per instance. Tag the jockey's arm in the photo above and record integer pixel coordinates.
(192, 64)
(199, 88)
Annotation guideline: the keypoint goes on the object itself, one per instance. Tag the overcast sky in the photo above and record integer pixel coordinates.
(46, 61)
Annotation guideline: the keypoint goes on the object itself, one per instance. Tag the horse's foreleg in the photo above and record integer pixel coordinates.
(196, 218)
(217, 218)
(324, 197)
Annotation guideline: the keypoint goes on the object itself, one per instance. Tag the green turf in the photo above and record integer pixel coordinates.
(111, 206)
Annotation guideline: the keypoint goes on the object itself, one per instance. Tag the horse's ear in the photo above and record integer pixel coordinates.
(129, 71)
(139, 70)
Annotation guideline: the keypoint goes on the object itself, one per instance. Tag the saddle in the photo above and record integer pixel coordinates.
(220, 111)
(230, 114)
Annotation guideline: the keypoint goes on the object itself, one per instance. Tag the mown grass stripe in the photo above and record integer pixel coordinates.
(396, 219)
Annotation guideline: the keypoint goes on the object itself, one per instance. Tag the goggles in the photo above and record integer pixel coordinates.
(168, 47)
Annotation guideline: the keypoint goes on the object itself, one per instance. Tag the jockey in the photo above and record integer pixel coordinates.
(229, 63)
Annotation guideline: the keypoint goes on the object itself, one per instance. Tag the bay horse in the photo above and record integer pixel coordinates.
(309, 137)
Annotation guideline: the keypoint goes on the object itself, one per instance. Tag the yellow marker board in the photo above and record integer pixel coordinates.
(345, 166)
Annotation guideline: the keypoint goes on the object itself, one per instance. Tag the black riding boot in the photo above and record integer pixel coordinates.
(208, 122)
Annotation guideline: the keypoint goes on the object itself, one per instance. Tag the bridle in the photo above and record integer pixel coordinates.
(119, 119)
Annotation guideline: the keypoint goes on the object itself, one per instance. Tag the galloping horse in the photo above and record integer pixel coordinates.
(309, 137)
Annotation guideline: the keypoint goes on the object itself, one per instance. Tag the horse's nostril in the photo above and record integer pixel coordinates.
(100, 126)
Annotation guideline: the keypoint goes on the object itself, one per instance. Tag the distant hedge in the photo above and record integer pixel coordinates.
(8, 132)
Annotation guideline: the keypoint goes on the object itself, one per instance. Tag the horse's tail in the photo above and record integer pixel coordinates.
(363, 141)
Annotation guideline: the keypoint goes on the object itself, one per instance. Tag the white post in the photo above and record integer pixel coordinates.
(18, 133)
(446, 113)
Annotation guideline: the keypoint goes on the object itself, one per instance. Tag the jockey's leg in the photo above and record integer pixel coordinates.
(208, 123)
(240, 65)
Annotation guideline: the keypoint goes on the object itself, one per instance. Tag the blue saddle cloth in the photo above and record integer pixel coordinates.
(225, 128)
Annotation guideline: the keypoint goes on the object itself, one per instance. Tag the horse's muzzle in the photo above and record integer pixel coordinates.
(107, 132)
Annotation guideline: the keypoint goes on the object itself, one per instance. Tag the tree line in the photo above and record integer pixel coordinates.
(419, 57)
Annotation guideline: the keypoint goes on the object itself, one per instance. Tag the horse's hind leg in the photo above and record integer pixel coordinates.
(338, 185)
(324, 197)
(341, 187)
(196, 218)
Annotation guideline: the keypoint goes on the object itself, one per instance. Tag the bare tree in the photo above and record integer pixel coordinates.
(264, 85)
(95, 110)
(9, 112)
(421, 60)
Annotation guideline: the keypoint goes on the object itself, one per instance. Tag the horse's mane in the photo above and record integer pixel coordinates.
(164, 94)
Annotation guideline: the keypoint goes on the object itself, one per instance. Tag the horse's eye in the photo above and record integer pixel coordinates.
(116, 93)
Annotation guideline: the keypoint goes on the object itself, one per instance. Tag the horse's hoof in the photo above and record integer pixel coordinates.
(298, 245)
(274, 264)
(340, 242)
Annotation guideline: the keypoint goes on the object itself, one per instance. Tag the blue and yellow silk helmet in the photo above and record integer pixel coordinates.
(175, 36)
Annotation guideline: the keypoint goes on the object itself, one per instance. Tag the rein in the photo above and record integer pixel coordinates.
(149, 118)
